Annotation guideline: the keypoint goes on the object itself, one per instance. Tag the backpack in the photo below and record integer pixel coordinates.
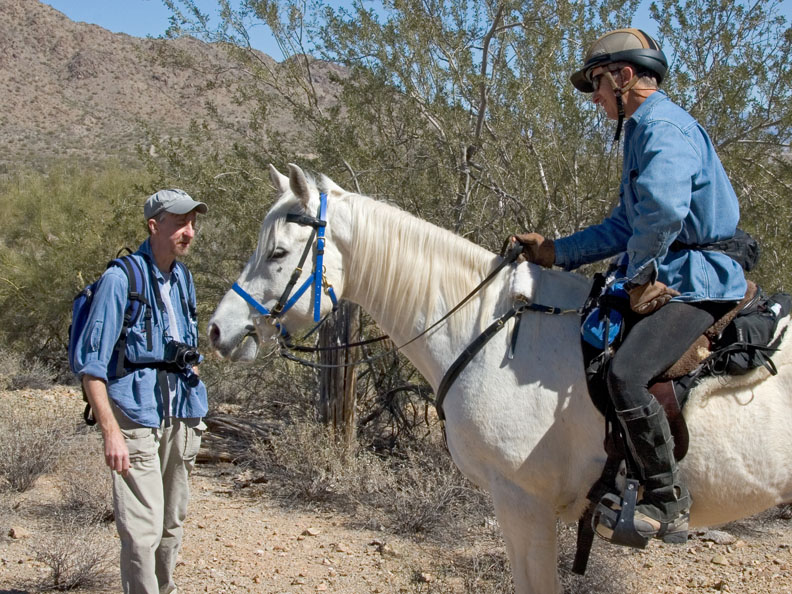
(745, 343)
(81, 308)
(741, 247)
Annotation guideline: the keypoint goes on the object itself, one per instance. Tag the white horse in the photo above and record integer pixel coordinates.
(523, 429)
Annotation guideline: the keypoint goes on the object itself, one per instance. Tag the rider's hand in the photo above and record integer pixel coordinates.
(536, 249)
(649, 297)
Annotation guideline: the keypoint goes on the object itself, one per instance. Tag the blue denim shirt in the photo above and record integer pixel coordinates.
(138, 394)
(673, 187)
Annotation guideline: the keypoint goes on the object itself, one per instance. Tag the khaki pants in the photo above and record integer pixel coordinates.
(151, 502)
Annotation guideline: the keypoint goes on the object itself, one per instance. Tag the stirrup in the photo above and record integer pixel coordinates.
(613, 518)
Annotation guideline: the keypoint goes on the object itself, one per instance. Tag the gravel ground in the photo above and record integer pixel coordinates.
(244, 540)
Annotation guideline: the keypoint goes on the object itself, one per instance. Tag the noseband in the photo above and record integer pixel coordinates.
(316, 278)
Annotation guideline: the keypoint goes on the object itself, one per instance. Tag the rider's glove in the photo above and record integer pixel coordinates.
(649, 297)
(536, 249)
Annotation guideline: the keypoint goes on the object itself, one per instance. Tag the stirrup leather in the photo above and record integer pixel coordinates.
(613, 518)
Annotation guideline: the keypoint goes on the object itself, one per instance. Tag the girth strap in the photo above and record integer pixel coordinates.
(482, 339)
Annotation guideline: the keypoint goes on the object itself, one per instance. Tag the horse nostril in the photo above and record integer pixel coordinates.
(214, 334)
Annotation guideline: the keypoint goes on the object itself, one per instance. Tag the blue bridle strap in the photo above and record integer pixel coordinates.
(320, 244)
(316, 278)
(250, 300)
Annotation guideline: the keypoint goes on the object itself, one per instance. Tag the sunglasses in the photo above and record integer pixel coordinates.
(597, 79)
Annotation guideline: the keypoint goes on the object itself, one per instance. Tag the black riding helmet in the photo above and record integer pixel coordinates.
(621, 45)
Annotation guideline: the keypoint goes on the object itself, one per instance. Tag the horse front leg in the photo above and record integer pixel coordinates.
(529, 529)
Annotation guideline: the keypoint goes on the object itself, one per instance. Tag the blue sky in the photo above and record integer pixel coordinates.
(150, 17)
(141, 18)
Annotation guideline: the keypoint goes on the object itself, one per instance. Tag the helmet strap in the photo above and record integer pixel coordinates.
(620, 106)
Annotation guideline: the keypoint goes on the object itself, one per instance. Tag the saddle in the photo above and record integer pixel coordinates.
(673, 386)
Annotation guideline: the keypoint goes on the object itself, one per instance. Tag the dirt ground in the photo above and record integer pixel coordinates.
(240, 539)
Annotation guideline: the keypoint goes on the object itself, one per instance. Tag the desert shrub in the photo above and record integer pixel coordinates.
(10, 366)
(85, 481)
(29, 445)
(18, 372)
(59, 231)
(76, 555)
(428, 495)
(415, 490)
(309, 465)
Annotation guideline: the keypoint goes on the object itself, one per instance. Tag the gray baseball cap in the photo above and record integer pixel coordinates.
(174, 201)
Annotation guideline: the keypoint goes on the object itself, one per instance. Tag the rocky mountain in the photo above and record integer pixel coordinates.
(77, 90)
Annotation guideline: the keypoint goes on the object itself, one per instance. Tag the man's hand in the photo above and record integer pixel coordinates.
(116, 452)
(649, 297)
(115, 448)
(536, 249)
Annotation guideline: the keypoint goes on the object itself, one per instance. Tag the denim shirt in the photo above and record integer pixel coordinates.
(673, 187)
(138, 394)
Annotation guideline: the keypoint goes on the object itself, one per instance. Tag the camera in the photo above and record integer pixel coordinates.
(181, 355)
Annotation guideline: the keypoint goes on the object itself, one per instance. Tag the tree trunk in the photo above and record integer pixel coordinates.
(337, 384)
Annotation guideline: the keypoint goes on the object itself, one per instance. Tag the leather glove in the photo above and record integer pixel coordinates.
(536, 249)
(649, 297)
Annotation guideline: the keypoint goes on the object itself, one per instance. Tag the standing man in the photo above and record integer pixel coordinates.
(149, 413)
(675, 199)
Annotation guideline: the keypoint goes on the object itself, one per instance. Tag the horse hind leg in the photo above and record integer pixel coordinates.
(528, 525)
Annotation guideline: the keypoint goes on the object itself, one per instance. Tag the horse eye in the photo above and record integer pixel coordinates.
(278, 254)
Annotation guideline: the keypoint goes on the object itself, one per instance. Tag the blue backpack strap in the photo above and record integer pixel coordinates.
(185, 281)
(136, 299)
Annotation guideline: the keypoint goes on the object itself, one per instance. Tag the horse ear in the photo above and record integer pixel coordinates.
(280, 181)
(299, 184)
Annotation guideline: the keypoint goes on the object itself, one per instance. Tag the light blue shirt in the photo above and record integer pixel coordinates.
(138, 394)
(673, 187)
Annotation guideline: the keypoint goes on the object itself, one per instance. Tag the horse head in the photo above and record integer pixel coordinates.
(279, 285)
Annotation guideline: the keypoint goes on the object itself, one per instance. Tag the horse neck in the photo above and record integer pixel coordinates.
(408, 273)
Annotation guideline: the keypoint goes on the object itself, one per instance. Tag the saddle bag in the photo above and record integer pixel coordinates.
(745, 343)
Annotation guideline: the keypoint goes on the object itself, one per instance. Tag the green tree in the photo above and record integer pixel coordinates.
(59, 231)
(462, 112)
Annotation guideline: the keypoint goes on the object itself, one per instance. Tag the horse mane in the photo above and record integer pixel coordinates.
(435, 269)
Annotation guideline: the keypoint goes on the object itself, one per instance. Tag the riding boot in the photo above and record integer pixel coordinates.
(663, 511)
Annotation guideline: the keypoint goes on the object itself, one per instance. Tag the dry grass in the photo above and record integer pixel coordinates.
(415, 490)
(84, 480)
(29, 447)
(76, 555)
(19, 373)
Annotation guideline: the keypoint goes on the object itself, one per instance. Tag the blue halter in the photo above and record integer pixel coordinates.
(316, 278)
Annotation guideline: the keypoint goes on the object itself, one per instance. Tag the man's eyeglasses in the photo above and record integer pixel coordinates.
(597, 79)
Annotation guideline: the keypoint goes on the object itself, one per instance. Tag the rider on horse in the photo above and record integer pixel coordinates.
(673, 190)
